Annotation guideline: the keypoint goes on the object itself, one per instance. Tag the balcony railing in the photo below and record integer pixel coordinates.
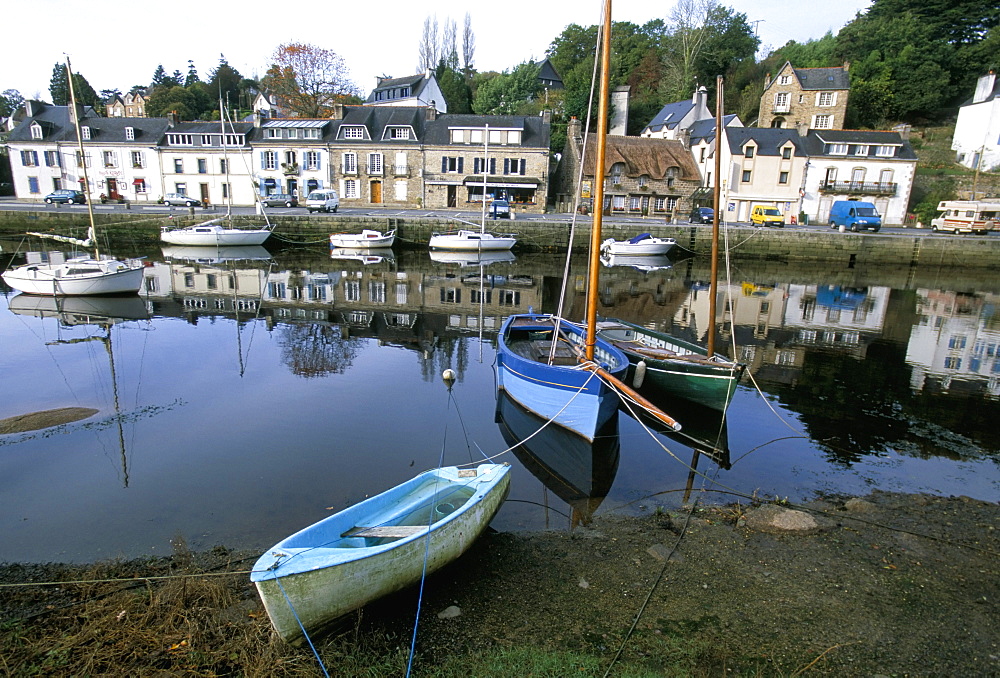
(373, 170)
(401, 170)
(289, 168)
(858, 187)
(781, 110)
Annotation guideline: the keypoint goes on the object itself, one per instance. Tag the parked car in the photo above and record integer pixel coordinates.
(763, 215)
(855, 215)
(323, 200)
(280, 200)
(499, 209)
(180, 199)
(66, 195)
(701, 215)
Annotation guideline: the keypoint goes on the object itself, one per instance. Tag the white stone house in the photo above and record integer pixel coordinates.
(201, 160)
(977, 131)
(761, 166)
(291, 156)
(413, 90)
(876, 167)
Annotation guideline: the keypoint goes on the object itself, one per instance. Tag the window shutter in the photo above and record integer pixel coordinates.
(524, 166)
(461, 164)
(833, 99)
(493, 165)
(506, 165)
(263, 159)
(317, 155)
(444, 164)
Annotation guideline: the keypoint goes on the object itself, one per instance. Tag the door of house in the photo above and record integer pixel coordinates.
(452, 196)
(293, 185)
(113, 189)
(376, 192)
(204, 194)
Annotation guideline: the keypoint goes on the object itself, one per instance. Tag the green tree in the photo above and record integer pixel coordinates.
(729, 40)
(811, 53)
(224, 82)
(192, 74)
(508, 93)
(10, 101)
(59, 88)
(177, 99)
(453, 86)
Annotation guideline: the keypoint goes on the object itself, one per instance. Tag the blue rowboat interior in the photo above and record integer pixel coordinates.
(378, 546)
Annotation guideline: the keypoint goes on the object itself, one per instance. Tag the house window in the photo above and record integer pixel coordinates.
(130, 133)
(496, 136)
(782, 177)
(36, 131)
(137, 160)
(206, 139)
(399, 133)
(781, 101)
(885, 177)
(826, 99)
(268, 160)
(404, 92)
(354, 132)
(180, 139)
(29, 158)
(33, 185)
(82, 158)
(375, 164)
(618, 203)
(514, 166)
(746, 176)
(292, 133)
(823, 122)
(659, 204)
(202, 166)
(748, 152)
(273, 133)
(514, 137)
(831, 175)
(225, 191)
(784, 80)
(52, 159)
(109, 159)
(861, 149)
(885, 151)
(786, 153)
(451, 295)
(140, 185)
(350, 163)
(617, 172)
(178, 166)
(180, 188)
(838, 149)
(476, 136)
(311, 160)
(478, 165)
(234, 139)
(451, 165)
(457, 136)
(85, 130)
(312, 133)
(643, 180)
(634, 203)
(858, 176)
(223, 166)
(351, 188)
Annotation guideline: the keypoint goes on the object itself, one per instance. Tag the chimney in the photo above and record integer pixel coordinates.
(984, 87)
(75, 113)
(903, 130)
(338, 111)
(686, 137)
(172, 119)
(847, 66)
(31, 107)
(427, 74)
(574, 129)
(546, 117)
(802, 129)
(767, 80)
(430, 113)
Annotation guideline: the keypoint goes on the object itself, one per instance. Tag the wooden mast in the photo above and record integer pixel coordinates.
(595, 232)
(714, 281)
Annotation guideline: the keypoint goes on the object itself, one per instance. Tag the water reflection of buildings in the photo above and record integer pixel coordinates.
(955, 344)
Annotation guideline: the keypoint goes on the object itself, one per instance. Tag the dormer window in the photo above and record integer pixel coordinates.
(399, 133)
(130, 133)
(273, 133)
(617, 171)
(748, 151)
(784, 80)
(861, 149)
(514, 137)
(786, 153)
(354, 132)
(838, 149)
(885, 151)
(85, 130)
(36, 131)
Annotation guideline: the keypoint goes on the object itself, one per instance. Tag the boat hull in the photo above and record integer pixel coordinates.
(77, 277)
(572, 397)
(364, 240)
(688, 374)
(471, 241)
(322, 573)
(215, 236)
(645, 247)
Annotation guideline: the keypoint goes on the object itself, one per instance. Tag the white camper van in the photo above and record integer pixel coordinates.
(967, 216)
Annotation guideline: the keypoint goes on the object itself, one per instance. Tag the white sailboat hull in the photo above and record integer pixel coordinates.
(215, 236)
(365, 240)
(77, 277)
(471, 241)
(648, 246)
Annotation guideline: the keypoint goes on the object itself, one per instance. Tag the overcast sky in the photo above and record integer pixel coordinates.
(117, 46)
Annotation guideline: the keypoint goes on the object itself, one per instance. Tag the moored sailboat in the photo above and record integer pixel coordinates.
(84, 275)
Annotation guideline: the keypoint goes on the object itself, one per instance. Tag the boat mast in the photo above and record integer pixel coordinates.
(486, 162)
(92, 231)
(714, 281)
(595, 233)
(225, 155)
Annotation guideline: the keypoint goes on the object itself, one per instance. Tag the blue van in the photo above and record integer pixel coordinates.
(855, 215)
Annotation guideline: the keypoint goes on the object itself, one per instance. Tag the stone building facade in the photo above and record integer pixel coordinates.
(815, 98)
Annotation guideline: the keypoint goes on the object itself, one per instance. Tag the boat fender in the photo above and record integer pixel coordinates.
(640, 374)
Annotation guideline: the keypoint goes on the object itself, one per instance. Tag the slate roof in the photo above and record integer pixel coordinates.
(643, 155)
(994, 94)
(670, 115)
(769, 140)
(823, 78)
(416, 84)
(377, 118)
(705, 129)
(534, 133)
(57, 126)
(547, 74)
(817, 141)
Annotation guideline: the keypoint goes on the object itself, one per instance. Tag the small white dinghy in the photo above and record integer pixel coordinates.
(366, 239)
(376, 547)
(644, 244)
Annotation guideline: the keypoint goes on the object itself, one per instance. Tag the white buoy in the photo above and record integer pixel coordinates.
(448, 376)
(640, 374)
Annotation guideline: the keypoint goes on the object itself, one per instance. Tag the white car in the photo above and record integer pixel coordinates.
(323, 200)
(180, 199)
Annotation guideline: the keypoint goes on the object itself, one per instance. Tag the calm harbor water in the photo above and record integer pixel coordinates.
(241, 399)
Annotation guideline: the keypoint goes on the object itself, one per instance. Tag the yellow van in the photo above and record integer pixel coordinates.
(764, 215)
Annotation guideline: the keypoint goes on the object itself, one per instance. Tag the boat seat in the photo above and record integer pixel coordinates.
(385, 531)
